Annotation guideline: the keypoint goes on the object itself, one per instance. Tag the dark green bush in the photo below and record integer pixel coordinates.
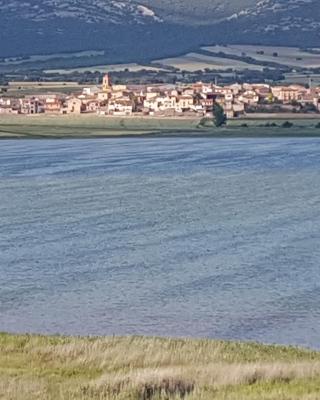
(287, 124)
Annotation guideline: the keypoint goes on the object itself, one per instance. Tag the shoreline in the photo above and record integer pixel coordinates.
(93, 126)
(34, 367)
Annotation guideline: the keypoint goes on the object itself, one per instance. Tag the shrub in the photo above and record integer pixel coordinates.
(167, 388)
(287, 124)
(270, 125)
(205, 121)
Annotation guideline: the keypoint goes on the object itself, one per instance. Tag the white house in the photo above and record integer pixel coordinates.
(120, 106)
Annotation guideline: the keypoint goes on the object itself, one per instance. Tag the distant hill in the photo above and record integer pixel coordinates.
(130, 29)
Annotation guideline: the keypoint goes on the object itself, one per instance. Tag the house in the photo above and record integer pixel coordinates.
(200, 87)
(90, 91)
(152, 95)
(162, 105)
(8, 109)
(316, 103)
(119, 88)
(184, 102)
(263, 91)
(217, 89)
(229, 113)
(167, 102)
(207, 102)
(9, 106)
(238, 107)
(74, 105)
(249, 97)
(236, 88)
(288, 94)
(53, 105)
(228, 97)
(309, 97)
(103, 96)
(223, 90)
(92, 106)
(188, 91)
(31, 106)
(173, 92)
(151, 104)
(122, 106)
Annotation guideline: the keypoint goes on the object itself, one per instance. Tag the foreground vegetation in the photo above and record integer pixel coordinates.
(138, 368)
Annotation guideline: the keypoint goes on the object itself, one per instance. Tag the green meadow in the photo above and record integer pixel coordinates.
(88, 126)
(93, 126)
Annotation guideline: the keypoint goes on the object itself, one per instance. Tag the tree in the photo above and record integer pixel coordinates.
(270, 98)
(219, 117)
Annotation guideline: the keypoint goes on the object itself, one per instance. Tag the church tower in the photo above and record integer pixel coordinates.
(106, 84)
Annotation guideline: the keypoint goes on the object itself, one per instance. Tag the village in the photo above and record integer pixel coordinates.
(168, 100)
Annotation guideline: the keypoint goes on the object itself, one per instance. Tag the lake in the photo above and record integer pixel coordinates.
(196, 237)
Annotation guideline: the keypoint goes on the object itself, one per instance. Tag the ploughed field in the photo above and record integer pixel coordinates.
(140, 368)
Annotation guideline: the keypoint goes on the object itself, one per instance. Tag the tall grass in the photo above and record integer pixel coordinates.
(138, 368)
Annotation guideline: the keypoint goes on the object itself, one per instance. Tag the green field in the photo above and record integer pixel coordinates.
(193, 62)
(133, 67)
(138, 368)
(89, 126)
(37, 57)
(93, 126)
(289, 56)
(20, 89)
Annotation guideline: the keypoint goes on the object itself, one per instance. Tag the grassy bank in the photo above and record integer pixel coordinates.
(134, 368)
(91, 126)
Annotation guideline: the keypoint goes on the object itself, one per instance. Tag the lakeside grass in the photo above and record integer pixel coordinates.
(140, 368)
(93, 126)
(88, 126)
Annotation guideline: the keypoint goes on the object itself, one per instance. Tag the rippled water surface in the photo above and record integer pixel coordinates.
(183, 237)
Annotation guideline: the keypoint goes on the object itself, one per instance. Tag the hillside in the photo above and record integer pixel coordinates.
(198, 13)
(130, 29)
(137, 368)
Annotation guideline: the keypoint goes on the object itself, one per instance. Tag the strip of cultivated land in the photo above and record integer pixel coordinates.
(139, 368)
(289, 56)
(89, 126)
(93, 126)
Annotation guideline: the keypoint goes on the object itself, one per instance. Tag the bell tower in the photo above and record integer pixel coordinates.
(106, 84)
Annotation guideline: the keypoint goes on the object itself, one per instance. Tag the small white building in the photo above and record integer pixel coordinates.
(184, 102)
(91, 91)
(120, 107)
(249, 97)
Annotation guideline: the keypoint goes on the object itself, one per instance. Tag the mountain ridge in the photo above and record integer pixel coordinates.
(158, 27)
